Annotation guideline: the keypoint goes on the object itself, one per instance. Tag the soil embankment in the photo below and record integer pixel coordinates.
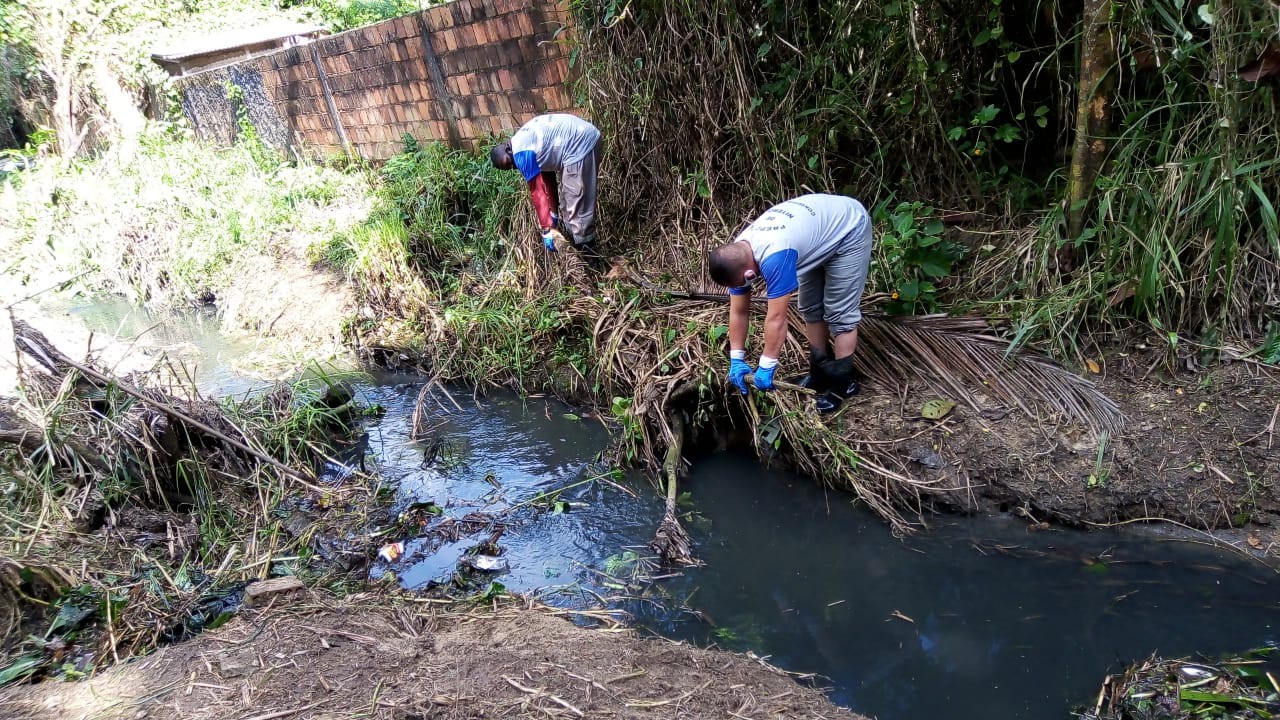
(320, 660)
(1198, 448)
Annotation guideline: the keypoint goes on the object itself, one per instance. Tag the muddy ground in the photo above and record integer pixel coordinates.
(1200, 449)
(312, 659)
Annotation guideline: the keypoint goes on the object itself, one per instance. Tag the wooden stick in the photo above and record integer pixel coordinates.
(286, 713)
(782, 385)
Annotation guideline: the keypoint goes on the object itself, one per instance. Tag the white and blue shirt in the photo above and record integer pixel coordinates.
(552, 142)
(797, 236)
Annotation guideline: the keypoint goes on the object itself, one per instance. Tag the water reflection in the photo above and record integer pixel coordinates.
(975, 618)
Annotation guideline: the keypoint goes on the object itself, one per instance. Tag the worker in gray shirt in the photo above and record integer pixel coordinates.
(564, 144)
(819, 246)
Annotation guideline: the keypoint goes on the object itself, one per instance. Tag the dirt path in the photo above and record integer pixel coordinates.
(414, 661)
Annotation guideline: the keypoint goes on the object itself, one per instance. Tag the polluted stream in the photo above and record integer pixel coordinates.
(972, 618)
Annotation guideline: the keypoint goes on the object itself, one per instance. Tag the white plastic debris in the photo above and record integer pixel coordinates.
(487, 563)
(391, 552)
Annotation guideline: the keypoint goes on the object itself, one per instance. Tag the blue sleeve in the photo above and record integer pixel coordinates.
(527, 162)
(779, 270)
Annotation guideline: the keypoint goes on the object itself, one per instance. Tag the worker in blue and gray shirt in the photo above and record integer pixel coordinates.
(819, 246)
(568, 145)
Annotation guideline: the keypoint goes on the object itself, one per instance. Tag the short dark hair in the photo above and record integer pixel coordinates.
(498, 155)
(725, 266)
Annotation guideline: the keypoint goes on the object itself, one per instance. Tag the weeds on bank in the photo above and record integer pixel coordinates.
(977, 117)
(167, 221)
(123, 530)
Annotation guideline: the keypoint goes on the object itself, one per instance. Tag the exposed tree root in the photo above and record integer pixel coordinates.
(671, 542)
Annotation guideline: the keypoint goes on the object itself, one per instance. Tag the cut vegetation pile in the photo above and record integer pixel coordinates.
(137, 510)
(1238, 688)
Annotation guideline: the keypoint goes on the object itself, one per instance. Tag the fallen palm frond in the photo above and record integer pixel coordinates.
(959, 356)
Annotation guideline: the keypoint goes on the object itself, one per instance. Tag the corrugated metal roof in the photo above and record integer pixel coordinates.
(232, 39)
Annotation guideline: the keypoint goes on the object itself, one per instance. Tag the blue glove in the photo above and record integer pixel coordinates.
(738, 371)
(764, 378)
(549, 240)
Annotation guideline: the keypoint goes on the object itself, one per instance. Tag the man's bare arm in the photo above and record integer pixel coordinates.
(739, 320)
(775, 326)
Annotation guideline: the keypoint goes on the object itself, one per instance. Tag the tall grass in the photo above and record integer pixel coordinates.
(717, 110)
(168, 221)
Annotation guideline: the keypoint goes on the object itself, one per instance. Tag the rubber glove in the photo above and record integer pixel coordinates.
(738, 371)
(764, 378)
(549, 239)
(764, 373)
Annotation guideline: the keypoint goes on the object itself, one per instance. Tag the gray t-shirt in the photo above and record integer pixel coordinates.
(552, 142)
(796, 236)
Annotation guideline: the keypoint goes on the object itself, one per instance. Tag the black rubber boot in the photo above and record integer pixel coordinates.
(843, 385)
(815, 379)
(590, 255)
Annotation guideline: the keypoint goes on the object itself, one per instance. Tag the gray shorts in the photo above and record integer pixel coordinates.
(832, 292)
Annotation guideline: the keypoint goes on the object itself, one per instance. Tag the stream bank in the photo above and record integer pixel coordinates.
(818, 596)
(368, 657)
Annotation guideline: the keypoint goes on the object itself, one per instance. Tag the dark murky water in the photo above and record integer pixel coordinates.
(501, 451)
(975, 618)
(1004, 623)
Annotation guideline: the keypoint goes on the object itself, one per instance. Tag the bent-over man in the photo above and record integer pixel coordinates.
(819, 246)
(564, 144)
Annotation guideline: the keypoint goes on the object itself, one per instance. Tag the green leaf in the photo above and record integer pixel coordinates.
(902, 222)
(571, 417)
(937, 408)
(1013, 56)
(982, 39)
(717, 332)
(909, 290)
(560, 506)
(1206, 14)
(70, 616)
(20, 668)
(1219, 698)
(495, 589)
(986, 114)
(934, 227)
(935, 265)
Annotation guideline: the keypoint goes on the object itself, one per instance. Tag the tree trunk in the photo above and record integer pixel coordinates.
(1093, 114)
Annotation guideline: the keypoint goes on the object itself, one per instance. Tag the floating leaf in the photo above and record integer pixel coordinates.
(937, 408)
(571, 417)
(560, 506)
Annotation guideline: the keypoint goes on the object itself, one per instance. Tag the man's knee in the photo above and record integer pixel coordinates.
(845, 322)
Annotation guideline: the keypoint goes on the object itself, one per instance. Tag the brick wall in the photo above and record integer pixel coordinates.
(455, 73)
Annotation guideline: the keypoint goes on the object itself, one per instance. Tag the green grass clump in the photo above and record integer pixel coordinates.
(168, 222)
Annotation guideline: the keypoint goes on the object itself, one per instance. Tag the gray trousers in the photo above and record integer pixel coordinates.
(578, 196)
(832, 292)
